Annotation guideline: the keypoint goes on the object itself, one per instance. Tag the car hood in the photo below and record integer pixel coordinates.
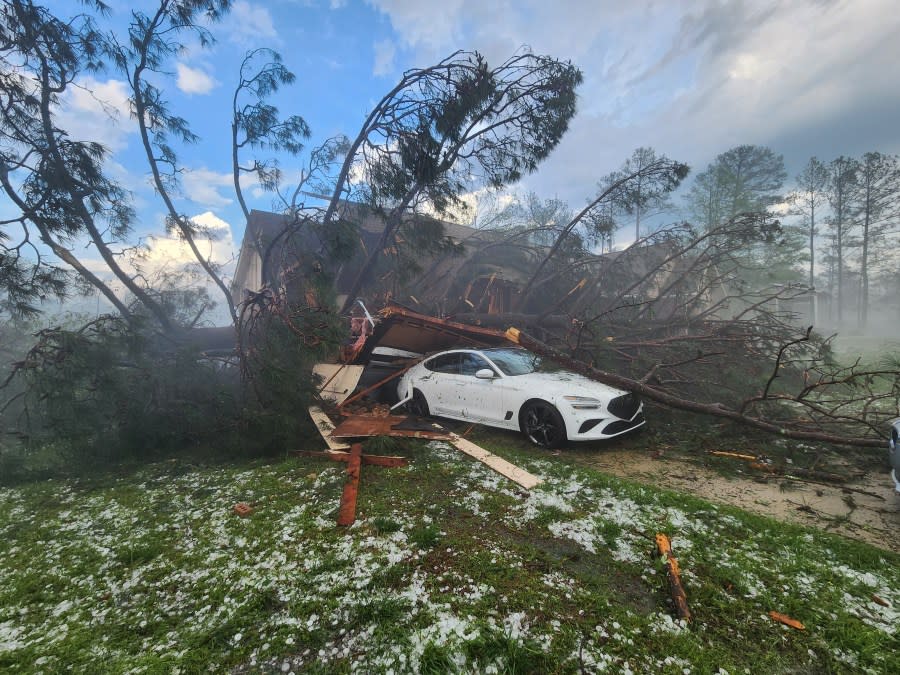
(564, 384)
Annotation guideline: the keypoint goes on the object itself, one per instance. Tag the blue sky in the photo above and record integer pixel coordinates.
(690, 78)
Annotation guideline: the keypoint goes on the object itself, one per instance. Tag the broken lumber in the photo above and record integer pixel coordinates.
(676, 590)
(368, 390)
(339, 380)
(325, 427)
(362, 426)
(498, 464)
(354, 460)
(347, 511)
(736, 455)
(786, 620)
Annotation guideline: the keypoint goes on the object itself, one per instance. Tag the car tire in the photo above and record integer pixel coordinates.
(542, 424)
(418, 405)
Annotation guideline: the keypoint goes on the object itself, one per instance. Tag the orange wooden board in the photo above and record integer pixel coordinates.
(360, 426)
(786, 620)
(347, 511)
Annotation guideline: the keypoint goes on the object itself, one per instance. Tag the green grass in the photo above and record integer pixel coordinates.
(449, 568)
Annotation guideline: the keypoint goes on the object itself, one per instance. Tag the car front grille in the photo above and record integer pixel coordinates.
(625, 406)
(587, 426)
(620, 426)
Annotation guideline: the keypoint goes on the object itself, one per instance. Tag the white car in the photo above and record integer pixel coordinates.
(894, 453)
(503, 387)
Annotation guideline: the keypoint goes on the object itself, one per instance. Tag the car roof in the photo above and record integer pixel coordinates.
(483, 350)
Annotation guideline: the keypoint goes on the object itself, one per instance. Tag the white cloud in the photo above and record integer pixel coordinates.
(250, 25)
(691, 78)
(212, 223)
(194, 80)
(499, 28)
(385, 51)
(204, 187)
(170, 254)
(163, 255)
(96, 110)
(170, 257)
(775, 81)
(420, 23)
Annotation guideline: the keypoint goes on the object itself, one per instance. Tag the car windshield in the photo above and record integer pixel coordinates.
(514, 361)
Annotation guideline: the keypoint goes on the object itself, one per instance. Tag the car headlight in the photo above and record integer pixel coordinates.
(583, 402)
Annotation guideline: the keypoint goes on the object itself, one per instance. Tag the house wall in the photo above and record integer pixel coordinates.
(248, 274)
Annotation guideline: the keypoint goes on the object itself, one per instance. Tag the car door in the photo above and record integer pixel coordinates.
(439, 385)
(481, 400)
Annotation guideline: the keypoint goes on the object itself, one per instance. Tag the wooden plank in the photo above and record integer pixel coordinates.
(326, 427)
(786, 620)
(498, 464)
(735, 455)
(338, 380)
(347, 512)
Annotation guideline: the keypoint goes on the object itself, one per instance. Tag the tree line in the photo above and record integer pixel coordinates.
(840, 222)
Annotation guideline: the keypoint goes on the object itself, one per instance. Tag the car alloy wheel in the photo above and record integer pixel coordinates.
(543, 425)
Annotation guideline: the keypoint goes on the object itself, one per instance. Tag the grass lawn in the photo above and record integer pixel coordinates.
(449, 568)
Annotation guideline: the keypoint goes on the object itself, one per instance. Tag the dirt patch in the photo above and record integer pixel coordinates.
(867, 508)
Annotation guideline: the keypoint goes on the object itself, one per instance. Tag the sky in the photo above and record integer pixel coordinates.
(690, 78)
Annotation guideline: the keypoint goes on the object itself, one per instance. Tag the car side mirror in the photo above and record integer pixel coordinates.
(485, 374)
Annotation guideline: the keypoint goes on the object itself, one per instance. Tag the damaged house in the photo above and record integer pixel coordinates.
(435, 276)
(471, 277)
(474, 275)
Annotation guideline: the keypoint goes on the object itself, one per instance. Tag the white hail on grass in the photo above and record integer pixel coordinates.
(220, 565)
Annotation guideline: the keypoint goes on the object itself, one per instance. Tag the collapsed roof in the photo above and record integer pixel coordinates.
(398, 327)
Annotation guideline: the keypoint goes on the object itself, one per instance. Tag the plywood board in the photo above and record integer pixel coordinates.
(498, 464)
(325, 427)
(338, 380)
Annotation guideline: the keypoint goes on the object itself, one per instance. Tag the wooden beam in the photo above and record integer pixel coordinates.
(347, 512)
(786, 620)
(498, 464)
(325, 427)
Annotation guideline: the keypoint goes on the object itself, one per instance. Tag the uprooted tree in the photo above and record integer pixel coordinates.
(680, 316)
(454, 127)
(68, 201)
(441, 130)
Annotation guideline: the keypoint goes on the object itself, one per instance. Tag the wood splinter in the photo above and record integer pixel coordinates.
(786, 620)
(676, 590)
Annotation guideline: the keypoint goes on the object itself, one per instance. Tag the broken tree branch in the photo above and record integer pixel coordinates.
(672, 401)
(676, 589)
